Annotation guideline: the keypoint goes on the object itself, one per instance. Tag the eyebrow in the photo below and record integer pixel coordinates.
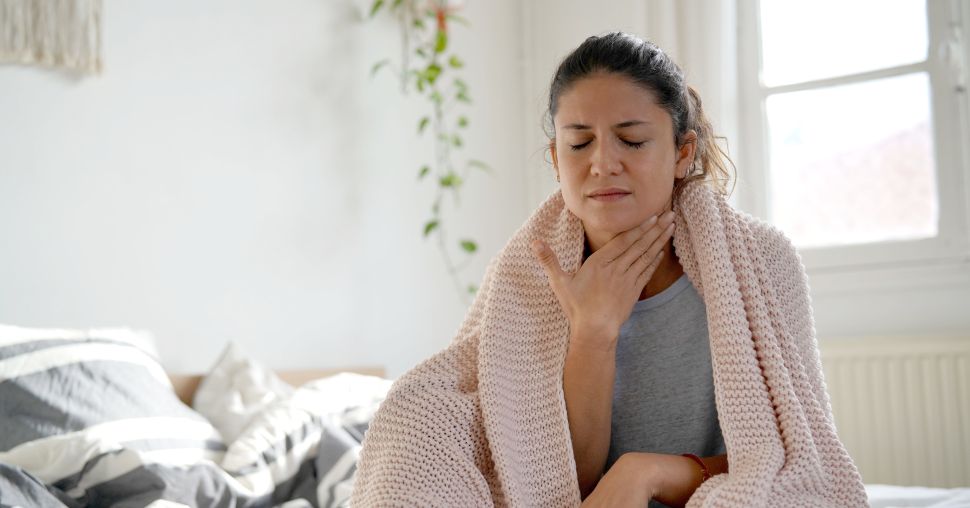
(621, 125)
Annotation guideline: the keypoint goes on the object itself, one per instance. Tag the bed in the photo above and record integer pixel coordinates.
(896, 496)
(90, 418)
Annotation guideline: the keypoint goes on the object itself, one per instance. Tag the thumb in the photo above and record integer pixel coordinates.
(547, 258)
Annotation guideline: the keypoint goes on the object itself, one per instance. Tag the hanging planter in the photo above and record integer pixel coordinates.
(430, 68)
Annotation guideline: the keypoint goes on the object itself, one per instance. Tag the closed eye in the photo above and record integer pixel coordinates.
(631, 144)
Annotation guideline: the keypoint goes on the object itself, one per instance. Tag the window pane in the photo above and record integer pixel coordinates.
(802, 41)
(853, 164)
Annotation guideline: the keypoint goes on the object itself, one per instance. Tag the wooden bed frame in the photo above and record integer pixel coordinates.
(186, 384)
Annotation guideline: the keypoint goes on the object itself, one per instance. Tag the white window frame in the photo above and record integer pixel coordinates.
(947, 63)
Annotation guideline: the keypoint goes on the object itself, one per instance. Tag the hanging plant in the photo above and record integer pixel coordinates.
(428, 67)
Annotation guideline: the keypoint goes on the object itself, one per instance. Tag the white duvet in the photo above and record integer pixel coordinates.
(893, 496)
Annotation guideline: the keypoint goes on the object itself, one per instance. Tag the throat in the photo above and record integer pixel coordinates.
(666, 274)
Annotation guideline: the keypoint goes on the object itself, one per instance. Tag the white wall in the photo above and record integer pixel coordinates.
(235, 175)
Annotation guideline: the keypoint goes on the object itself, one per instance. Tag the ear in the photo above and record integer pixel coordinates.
(685, 153)
(555, 158)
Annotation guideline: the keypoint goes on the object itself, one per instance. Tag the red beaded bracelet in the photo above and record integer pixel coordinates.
(695, 458)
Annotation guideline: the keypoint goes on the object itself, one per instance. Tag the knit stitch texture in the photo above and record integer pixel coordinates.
(483, 421)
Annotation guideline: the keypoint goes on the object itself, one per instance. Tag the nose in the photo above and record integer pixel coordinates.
(605, 160)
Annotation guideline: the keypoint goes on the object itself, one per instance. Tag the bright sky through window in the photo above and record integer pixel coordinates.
(803, 41)
(851, 163)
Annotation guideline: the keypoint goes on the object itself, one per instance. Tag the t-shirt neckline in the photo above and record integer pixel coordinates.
(664, 296)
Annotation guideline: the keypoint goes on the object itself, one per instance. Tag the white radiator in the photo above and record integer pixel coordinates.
(902, 407)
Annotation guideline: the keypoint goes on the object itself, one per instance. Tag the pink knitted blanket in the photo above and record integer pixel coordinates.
(483, 422)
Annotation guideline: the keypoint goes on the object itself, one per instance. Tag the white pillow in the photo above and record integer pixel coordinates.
(323, 421)
(235, 390)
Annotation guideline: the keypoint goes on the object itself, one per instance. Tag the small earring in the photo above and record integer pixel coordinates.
(689, 171)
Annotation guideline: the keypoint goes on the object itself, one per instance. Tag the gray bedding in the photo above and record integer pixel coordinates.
(91, 422)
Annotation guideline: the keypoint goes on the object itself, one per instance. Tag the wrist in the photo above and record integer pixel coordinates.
(649, 475)
(701, 464)
(679, 476)
(592, 339)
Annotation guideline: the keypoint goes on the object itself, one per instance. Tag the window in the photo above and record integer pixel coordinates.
(854, 124)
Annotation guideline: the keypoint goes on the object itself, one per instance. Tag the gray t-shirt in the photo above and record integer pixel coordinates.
(663, 396)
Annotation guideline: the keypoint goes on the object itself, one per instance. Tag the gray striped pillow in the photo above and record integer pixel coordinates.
(92, 412)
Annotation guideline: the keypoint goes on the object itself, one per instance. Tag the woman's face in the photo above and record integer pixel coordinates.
(615, 154)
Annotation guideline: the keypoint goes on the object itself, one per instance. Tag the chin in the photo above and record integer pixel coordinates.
(612, 225)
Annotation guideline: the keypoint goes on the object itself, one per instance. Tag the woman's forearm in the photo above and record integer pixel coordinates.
(588, 376)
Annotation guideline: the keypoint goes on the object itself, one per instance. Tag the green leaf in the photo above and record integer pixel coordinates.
(424, 172)
(480, 165)
(472, 289)
(432, 72)
(455, 62)
(420, 52)
(469, 246)
(462, 121)
(418, 24)
(459, 19)
(378, 66)
(376, 6)
(450, 180)
(436, 97)
(461, 85)
(463, 97)
(456, 140)
(423, 124)
(430, 226)
(441, 42)
(396, 4)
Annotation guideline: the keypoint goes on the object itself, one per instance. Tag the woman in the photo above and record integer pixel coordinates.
(625, 134)
(651, 332)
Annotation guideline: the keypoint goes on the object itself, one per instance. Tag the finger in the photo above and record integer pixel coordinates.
(640, 263)
(622, 242)
(649, 269)
(647, 245)
(548, 260)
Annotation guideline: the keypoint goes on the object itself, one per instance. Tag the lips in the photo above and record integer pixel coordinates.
(609, 194)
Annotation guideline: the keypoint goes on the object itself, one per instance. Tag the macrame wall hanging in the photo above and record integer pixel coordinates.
(64, 34)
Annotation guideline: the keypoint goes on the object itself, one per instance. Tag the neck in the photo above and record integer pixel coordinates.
(666, 274)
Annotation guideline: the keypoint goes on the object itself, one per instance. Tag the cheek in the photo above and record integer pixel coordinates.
(568, 157)
(571, 186)
(661, 165)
